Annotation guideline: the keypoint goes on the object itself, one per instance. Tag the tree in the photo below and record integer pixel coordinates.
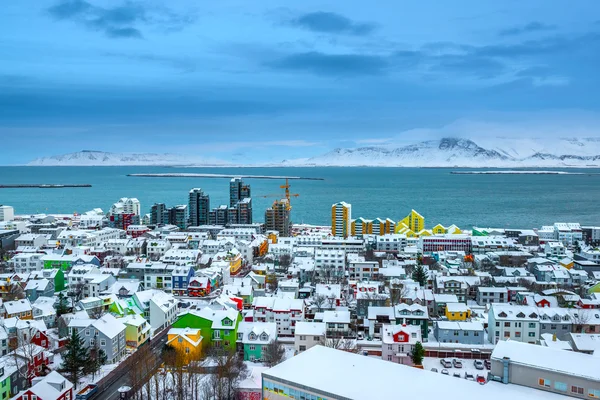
(398, 291)
(418, 354)
(347, 345)
(75, 358)
(319, 300)
(229, 371)
(15, 292)
(272, 281)
(96, 359)
(580, 318)
(61, 306)
(420, 275)
(285, 260)
(273, 353)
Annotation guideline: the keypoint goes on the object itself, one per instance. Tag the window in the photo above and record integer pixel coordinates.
(560, 386)
(544, 382)
(475, 333)
(595, 393)
(316, 338)
(87, 332)
(576, 390)
(455, 333)
(187, 350)
(302, 348)
(497, 333)
(103, 342)
(531, 334)
(532, 325)
(497, 324)
(180, 340)
(517, 334)
(252, 347)
(302, 337)
(506, 334)
(507, 324)
(217, 334)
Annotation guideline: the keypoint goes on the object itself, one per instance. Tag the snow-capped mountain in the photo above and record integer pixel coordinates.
(100, 158)
(456, 152)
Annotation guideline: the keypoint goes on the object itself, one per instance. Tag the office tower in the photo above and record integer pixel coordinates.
(341, 217)
(178, 216)
(240, 202)
(219, 216)
(277, 218)
(199, 207)
(159, 214)
(244, 211)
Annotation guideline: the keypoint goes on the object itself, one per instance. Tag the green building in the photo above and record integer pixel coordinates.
(66, 261)
(55, 274)
(220, 327)
(5, 372)
(254, 337)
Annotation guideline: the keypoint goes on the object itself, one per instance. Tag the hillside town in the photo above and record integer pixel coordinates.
(196, 302)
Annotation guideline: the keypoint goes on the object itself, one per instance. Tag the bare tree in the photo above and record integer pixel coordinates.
(272, 281)
(23, 352)
(319, 300)
(230, 370)
(285, 260)
(273, 353)
(398, 291)
(348, 345)
(580, 319)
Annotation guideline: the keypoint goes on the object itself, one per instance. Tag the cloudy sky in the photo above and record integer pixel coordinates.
(268, 80)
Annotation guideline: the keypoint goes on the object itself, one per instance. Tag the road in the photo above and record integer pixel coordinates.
(109, 386)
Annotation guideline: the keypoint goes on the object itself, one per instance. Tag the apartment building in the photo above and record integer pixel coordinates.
(518, 323)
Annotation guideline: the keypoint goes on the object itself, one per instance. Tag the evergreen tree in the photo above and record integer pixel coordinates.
(62, 306)
(96, 358)
(418, 354)
(419, 275)
(75, 358)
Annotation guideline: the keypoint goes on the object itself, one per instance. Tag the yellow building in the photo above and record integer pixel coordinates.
(137, 330)
(187, 342)
(457, 312)
(341, 216)
(361, 226)
(413, 222)
(439, 229)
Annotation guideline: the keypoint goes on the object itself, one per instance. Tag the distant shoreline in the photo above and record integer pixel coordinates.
(520, 173)
(192, 175)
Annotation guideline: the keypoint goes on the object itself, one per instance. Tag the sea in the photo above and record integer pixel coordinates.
(484, 200)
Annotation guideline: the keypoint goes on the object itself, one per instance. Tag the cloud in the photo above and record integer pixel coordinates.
(331, 64)
(328, 22)
(122, 21)
(534, 26)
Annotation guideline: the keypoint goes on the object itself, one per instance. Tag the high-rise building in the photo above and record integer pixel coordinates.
(219, 216)
(159, 214)
(7, 213)
(240, 202)
(238, 191)
(341, 217)
(244, 211)
(178, 216)
(126, 206)
(277, 218)
(199, 207)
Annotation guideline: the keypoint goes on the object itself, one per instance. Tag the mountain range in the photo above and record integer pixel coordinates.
(445, 152)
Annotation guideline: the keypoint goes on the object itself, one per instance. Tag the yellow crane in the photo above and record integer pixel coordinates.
(288, 195)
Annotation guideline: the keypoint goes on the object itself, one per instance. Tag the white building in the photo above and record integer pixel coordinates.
(390, 242)
(568, 233)
(25, 263)
(163, 310)
(330, 260)
(308, 334)
(157, 248)
(519, 323)
(398, 342)
(126, 206)
(7, 213)
(338, 323)
(285, 312)
(554, 249)
(360, 269)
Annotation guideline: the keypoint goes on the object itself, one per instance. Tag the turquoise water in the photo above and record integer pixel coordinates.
(465, 200)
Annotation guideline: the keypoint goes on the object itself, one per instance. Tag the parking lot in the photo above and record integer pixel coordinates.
(468, 368)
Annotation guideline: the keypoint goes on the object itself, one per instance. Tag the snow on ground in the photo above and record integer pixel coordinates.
(468, 366)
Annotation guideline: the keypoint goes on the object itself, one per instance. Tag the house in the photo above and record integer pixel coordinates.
(518, 323)
(459, 332)
(283, 311)
(555, 249)
(398, 342)
(413, 314)
(162, 310)
(487, 295)
(53, 386)
(331, 292)
(137, 330)
(124, 288)
(309, 334)
(181, 278)
(587, 343)
(187, 342)
(199, 286)
(7, 370)
(27, 262)
(57, 275)
(17, 309)
(254, 337)
(106, 333)
(551, 370)
(39, 287)
(440, 301)
(338, 324)
(555, 321)
(457, 312)
(218, 327)
(369, 297)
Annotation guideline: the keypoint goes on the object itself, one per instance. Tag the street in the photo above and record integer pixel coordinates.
(109, 386)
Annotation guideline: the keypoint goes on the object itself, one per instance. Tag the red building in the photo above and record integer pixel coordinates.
(136, 231)
(41, 339)
(199, 286)
(588, 304)
(54, 386)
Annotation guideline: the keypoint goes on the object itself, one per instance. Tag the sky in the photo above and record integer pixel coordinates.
(265, 80)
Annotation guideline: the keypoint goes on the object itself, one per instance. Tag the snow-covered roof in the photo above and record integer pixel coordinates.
(17, 306)
(52, 386)
(512, 312)
(339, 317)
(585, 341)
(348, 381)
(413, 332)
(37, 284)
(460, 326)
(258, 332)
(310, 328)
(456, 307)
(109, 326)
(549, 359)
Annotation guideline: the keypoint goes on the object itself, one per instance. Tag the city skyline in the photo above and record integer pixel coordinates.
(264, 82)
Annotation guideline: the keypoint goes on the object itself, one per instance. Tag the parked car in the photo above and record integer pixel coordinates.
(445, 372)
(434, 370)
(446, 363)
(87, 392)
(456, 375)
(488, 364)
(469, 376)
(478, 364)
(481, 379)
(456, 363)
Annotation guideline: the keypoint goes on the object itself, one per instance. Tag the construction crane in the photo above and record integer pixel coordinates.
(288, 195)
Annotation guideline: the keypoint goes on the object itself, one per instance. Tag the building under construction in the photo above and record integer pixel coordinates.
(277, 217)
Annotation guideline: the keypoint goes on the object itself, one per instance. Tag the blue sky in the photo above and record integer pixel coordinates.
(271, 80)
